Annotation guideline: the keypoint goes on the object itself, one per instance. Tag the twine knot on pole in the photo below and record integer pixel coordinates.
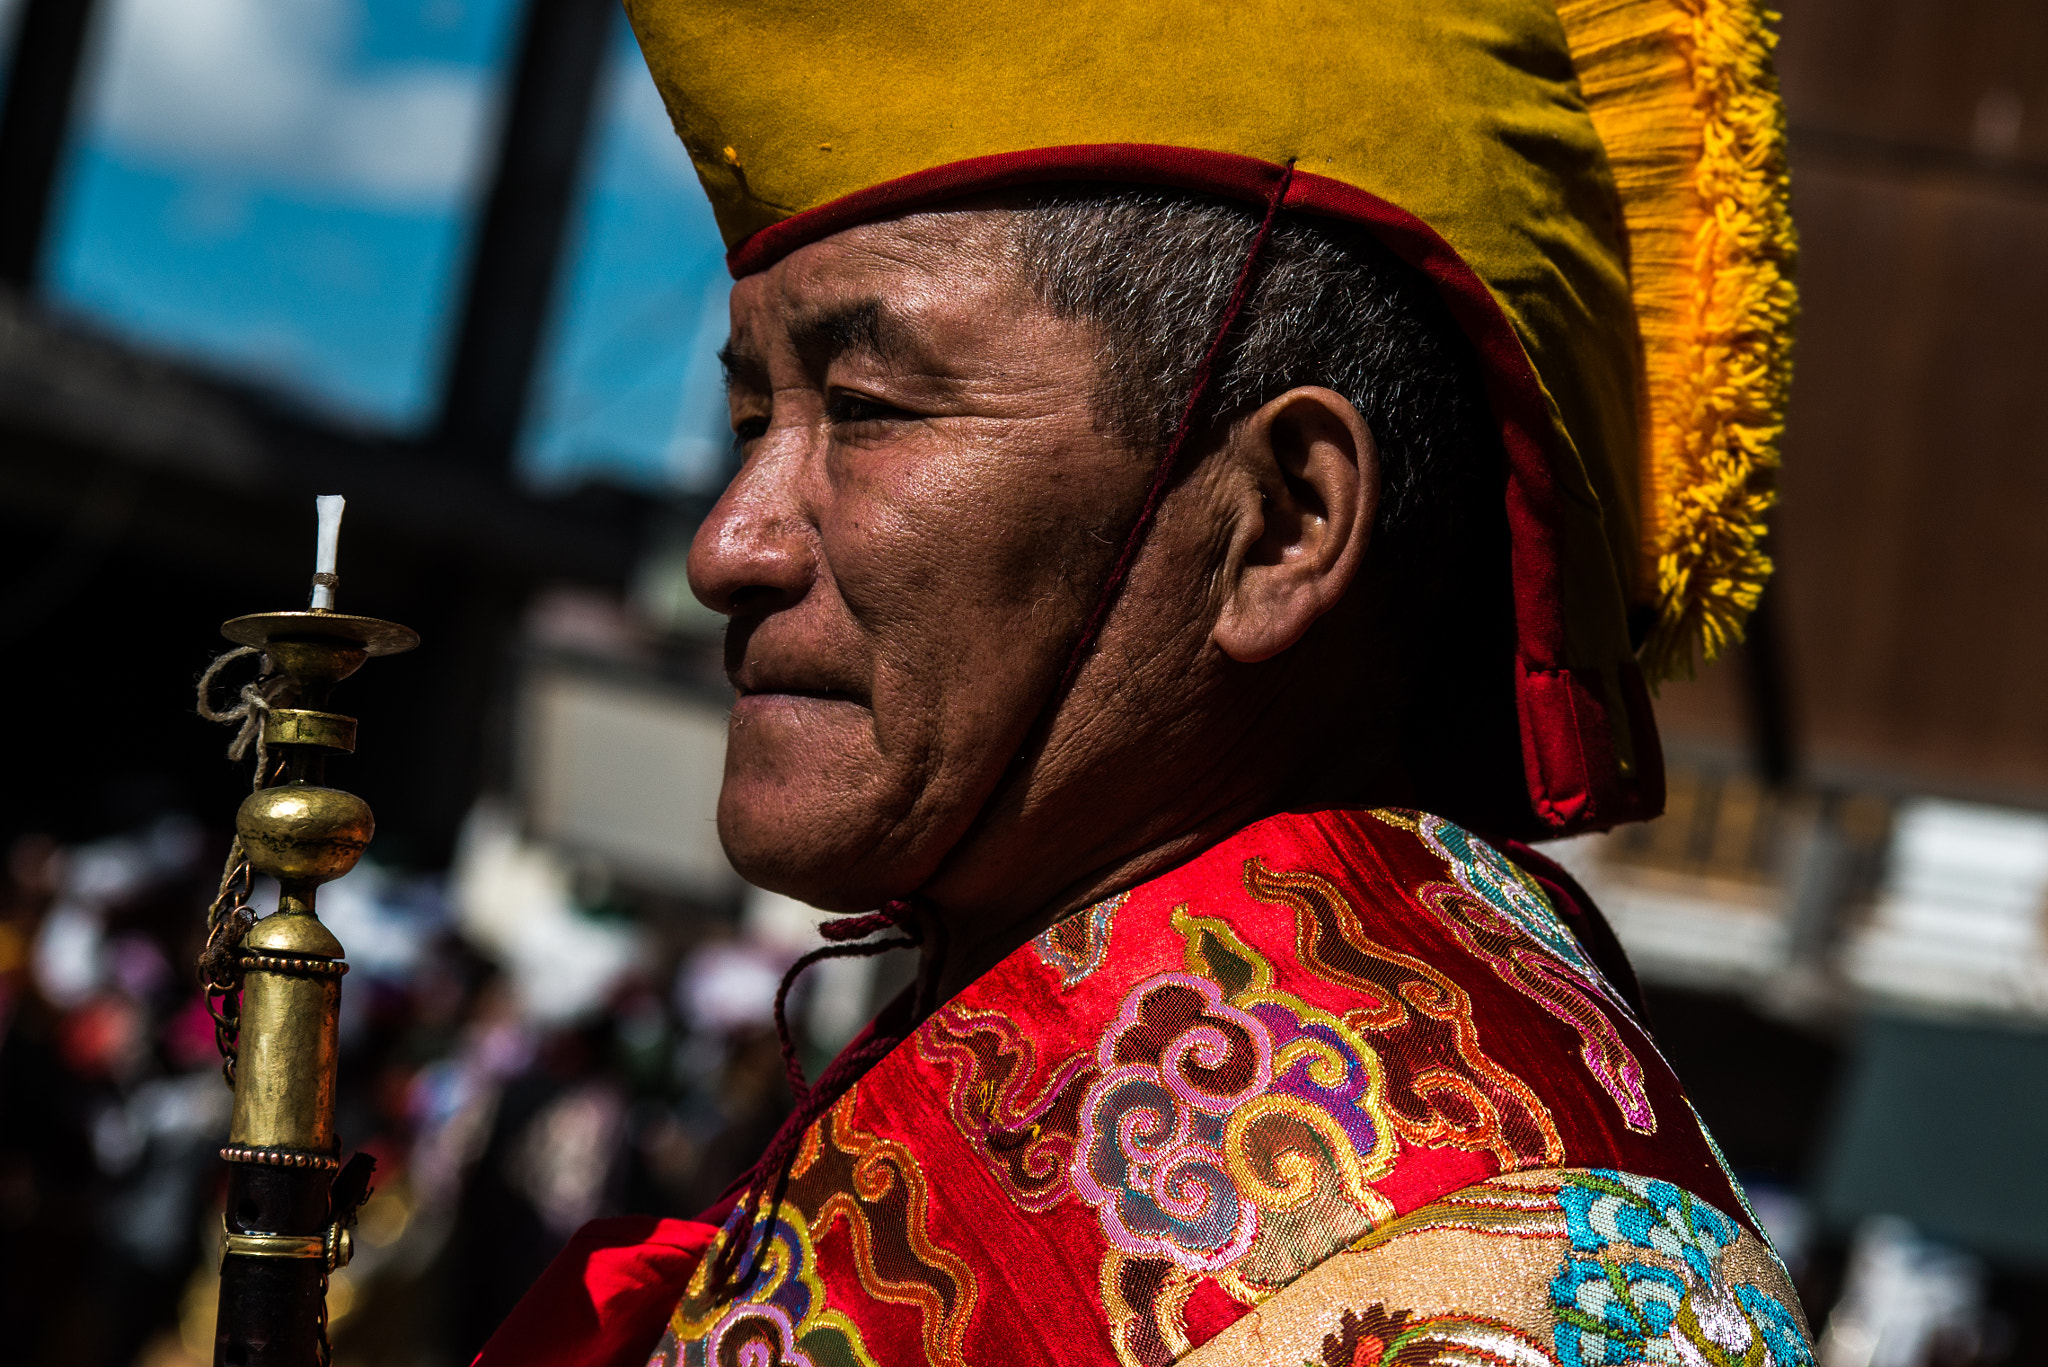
(229, 917)
(253, 702)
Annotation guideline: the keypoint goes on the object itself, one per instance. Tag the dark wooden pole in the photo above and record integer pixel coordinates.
(525, 220)
(49, 44)
(272, 1306)
(1773, 737)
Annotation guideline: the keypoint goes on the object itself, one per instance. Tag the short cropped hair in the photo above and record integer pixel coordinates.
(1154, 269)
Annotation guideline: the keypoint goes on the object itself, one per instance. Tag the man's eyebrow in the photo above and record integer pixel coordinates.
(866, 326)
(742, 365)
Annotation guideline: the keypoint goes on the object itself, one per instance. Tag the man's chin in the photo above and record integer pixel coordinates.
(818, 856)
(788, 751)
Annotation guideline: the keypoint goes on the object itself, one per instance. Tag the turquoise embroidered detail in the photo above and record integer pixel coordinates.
(1783, 1338)
(1495, 879)
(1614, 1309)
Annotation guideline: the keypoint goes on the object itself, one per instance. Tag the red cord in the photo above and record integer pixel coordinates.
(812, 1101)
(843, 930)
(1170, 457)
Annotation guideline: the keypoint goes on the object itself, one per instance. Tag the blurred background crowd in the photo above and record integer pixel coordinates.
(526, 1045)
(445, 257)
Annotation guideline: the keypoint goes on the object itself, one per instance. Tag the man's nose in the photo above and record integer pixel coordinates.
(756, 551)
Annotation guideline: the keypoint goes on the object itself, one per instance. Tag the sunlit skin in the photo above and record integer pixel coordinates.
(928, 504)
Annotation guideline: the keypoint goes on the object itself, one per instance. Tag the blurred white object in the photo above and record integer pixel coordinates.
(385, 937)
(1904, 1297)
(454, 1101)
(273, 88)
(512, 901)
(728, 986)
(564, 1159)
(150, 1141)
(1707, 935)
(1973, 875)
(780, 923)
(838, 993)
(69, 958)
(1958, 921)
(187, 1106)
(627, 770)
(841, 1002)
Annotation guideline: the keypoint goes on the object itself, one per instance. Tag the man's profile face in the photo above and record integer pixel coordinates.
(926, 507)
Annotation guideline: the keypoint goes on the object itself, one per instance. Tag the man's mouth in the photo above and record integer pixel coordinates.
(764, 679)
(783, 705)
(782, 669)
(817, 694)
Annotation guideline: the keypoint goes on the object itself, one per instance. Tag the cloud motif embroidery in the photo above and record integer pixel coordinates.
(1488, 875)
(1176, 1062)
(756, 1336)
(1212, 1117)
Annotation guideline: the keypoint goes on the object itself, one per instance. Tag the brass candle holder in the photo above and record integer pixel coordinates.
(290, 1200)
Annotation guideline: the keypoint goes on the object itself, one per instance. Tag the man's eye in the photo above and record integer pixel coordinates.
(749, 429)
(851, 408)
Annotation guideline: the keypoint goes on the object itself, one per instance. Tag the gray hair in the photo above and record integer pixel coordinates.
(1331, 306)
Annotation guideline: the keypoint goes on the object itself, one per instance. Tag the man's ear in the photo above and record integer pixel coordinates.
(1293, 557)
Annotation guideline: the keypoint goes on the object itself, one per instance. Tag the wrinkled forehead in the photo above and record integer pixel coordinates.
(868, 286)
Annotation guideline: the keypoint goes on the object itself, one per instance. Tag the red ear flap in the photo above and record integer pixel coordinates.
(1589, 747)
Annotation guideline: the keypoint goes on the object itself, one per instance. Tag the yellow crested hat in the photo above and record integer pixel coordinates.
(1597, 188)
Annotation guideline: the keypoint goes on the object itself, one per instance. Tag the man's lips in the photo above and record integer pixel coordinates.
(764, 665)
(814, 694)
(778, 708)
(764, 680)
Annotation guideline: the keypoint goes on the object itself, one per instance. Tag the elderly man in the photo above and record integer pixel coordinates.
(1193, 465)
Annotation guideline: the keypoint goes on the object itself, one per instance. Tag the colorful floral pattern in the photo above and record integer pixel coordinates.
(1561, 1268)
(782, 1314)
(1443, 1089)
(1166, 1110)
(1151, 1153)
(1680, 1309)
(1504, 920)
(1489, 875)
(1073, 948)
(1377, 1337)
(1022, 1129)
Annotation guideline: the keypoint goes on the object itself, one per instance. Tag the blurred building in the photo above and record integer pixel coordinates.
(1844, 914)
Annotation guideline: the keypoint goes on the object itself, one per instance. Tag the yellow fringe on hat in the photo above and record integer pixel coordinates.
(1683, 96)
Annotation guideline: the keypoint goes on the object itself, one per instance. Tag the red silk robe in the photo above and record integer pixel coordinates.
(1171, 1107)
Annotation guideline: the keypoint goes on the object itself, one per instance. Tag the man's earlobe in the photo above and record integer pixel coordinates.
(1316, 470)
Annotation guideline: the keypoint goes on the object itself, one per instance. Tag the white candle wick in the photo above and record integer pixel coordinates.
(329, 507)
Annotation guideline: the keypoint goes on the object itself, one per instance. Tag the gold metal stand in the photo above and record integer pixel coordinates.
(288, 1215)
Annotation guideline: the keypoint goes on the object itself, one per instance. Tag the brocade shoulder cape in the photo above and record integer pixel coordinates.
(1342, 1090)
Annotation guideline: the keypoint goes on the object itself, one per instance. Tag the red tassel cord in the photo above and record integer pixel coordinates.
(746, 1235)
(1162, 476)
